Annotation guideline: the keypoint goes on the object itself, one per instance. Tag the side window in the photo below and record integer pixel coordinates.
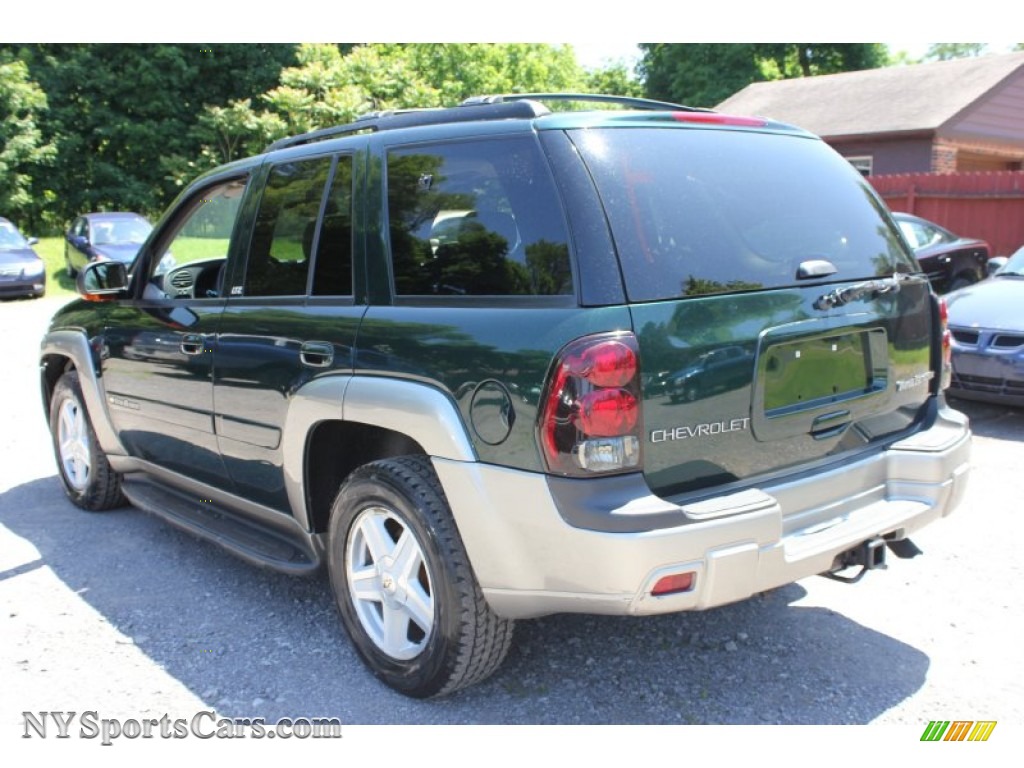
(332, 271)
(191, 260)
(282, 240)
(479, 218)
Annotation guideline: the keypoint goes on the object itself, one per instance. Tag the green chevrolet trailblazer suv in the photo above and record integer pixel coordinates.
(499, 361)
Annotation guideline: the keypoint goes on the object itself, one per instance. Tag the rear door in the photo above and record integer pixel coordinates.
(733, 244)
(290, 316)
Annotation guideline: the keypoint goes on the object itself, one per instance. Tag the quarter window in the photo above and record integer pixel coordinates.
(479, 218)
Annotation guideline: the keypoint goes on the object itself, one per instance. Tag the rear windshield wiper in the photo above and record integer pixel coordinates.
(841, 296)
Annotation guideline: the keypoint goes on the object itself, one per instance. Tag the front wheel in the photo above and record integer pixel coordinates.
(962, 281)
(403, 583)
(83, 468)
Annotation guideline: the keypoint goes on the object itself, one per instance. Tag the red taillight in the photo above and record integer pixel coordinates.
(589, 420)
(946, 375)
(606, 413)
(606, 364)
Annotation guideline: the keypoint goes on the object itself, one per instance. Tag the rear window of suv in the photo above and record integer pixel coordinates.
(698, 212)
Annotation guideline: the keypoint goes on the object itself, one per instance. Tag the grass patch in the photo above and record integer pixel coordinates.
(51, 251)
(59, 284)
(187, 249)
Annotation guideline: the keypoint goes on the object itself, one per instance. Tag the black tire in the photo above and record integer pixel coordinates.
(82, 465)
(962, 281)
(465, 641)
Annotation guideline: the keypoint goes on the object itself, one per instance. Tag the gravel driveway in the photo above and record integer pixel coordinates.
(120, 613)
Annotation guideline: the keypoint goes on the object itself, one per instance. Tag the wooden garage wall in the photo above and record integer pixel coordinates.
(986, 205)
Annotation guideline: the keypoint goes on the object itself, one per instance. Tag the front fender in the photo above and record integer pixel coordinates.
(74, 346)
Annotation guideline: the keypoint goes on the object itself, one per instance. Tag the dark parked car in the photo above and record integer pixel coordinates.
(104, 237)
(716, 371)
(411, 349)
(22, 272)
(988, 336)
(950, 261)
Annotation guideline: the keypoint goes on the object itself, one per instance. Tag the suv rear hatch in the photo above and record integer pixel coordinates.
(781, 321)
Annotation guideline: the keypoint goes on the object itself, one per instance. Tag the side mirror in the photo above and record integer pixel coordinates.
(33, 241)
(102, 280)
(996, 263)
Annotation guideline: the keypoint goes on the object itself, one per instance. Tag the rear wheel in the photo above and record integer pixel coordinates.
(83, 468)
(404, 587)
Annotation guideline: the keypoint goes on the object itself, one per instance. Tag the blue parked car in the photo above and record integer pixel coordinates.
(104, 237)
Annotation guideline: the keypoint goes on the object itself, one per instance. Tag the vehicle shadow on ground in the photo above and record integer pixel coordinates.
(253, 643)
(1003, 422)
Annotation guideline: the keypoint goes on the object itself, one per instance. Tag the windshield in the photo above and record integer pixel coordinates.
(1015, 266)
(10, 238)
(121, 232)
(711, 211)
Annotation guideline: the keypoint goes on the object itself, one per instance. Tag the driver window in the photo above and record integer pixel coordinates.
(191, 263)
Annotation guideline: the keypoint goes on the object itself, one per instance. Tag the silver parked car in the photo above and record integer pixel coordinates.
(988, 336)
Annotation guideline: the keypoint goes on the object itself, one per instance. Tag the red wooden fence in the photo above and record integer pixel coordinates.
(989, 205)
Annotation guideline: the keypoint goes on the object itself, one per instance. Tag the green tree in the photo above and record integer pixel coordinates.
(332, 85)
(123, 117)
(22, 148)
(614, 79)
(704, 74)
(697, 74)
(948, 51)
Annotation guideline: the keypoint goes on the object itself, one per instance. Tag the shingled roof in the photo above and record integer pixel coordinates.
(935, 97)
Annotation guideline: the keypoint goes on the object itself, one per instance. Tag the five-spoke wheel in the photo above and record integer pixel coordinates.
(405, 589)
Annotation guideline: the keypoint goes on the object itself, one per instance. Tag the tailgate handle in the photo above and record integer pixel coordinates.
(830, 425)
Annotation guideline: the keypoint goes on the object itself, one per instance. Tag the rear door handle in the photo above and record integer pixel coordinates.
(317, 354)
(192, 344)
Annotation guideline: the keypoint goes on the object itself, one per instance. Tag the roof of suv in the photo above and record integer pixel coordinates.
(530, 106)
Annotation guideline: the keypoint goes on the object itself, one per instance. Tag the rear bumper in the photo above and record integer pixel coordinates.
(531, 562)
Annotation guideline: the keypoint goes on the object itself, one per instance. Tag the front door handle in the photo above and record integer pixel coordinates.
(317, 354)
(192, 344)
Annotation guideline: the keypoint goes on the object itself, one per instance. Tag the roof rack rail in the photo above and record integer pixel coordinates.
(599, 98)
(405, 118)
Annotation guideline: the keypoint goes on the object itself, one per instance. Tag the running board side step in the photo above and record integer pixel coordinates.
(257, 543)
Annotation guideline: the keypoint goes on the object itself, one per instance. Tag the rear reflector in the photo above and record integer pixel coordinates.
(677, 582)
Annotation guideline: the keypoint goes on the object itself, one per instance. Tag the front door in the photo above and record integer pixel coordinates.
(158, 364)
